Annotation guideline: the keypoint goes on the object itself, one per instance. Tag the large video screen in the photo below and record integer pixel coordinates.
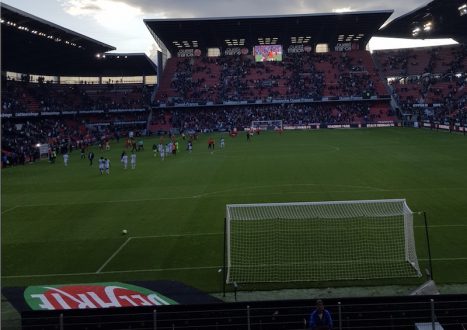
(266, 53)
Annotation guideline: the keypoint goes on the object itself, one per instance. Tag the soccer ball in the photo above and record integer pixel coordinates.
(124, 231)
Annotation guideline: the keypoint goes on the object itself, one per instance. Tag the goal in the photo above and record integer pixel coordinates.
(266, 125)
(319, 241)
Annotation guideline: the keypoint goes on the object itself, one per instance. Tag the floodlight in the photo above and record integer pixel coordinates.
(463, 9)
(427, 26)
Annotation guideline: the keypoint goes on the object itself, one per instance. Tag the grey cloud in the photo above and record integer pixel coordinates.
(91, 7)
(221, 8)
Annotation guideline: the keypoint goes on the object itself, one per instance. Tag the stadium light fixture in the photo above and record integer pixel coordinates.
(2, 21)
(463, 9)
(416, 31)
(427, 26)
(98, 55)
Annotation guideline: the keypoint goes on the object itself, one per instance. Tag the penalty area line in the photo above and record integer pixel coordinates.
(444, 259)
(115, 272)
(10, 209)
(114, 254)
(179, 235)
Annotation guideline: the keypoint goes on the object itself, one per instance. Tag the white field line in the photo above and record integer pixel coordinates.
(165, 269)
(179, 235)
(10, 209)
(151, 236)
(115, 272)
(442, 226)
(221, 192)
(444, 259)
(114, 254)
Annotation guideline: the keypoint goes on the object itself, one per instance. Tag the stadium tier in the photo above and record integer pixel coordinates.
(20, 97)
(427, 83)
(297, 76)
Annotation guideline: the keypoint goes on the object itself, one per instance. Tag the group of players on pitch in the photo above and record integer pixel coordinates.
(162, 150)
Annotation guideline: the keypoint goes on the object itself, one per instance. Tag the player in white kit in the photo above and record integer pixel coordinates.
(65, 159)
(101, 165)
(107, 166)
(125, 161)
(133, 161)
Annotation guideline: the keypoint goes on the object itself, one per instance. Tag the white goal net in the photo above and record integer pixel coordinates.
(320, 241)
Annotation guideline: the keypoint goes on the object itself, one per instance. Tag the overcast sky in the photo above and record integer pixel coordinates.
(120, 22)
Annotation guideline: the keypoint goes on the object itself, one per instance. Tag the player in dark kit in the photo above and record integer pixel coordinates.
(90, 157)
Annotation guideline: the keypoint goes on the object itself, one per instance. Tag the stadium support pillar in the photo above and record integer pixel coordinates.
(339, 315)
(154, 319)
(224, 270)
(428, 247)
(248, 317)
(433, 316)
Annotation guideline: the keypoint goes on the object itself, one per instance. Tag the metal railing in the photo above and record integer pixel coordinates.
(347, 316)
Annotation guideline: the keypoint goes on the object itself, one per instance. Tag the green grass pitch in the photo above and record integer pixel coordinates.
(64, 224)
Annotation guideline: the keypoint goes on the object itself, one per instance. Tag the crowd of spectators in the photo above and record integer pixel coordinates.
(21, 139)
(432, 87)
(46, 97)
(238, 78)
(239, 117)
(419, 61)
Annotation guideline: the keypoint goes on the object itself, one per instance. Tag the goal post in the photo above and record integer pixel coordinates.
(319, 241)
(266, 125)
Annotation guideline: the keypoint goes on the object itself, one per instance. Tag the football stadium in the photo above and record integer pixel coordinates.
(261, 172)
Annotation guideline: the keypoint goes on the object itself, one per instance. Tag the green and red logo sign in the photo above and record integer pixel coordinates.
(92, 295)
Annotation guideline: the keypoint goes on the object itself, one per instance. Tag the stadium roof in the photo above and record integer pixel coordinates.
(35, 46)
(225, 32)
(13, 18)
(124, 64)
(448, 19)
